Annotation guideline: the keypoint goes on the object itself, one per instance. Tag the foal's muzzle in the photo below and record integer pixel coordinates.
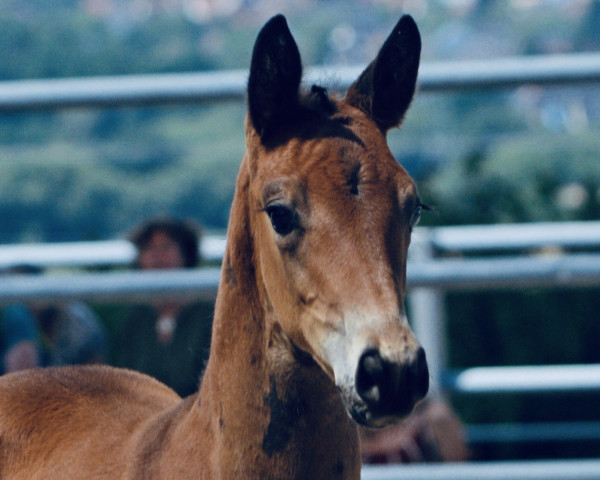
(388, 390)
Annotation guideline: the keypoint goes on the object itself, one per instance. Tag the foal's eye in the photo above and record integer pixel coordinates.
(416, 216)
(282, 218)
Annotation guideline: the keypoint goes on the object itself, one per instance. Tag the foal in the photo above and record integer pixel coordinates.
(309, 329)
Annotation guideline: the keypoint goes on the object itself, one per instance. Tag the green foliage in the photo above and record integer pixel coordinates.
(51, 45)
(178, 163)
(523, 178)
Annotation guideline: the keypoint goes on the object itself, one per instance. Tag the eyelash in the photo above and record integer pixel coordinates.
(416, 215)
(424, 207)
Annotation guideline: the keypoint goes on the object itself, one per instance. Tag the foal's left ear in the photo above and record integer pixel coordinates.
(275, 74)
(385, 89)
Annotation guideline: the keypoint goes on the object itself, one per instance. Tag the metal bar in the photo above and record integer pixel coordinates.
(525, 379)
(533, 432)
(468, 238)
(529, 470)
(453, 274)
(131, 286)
(468, 274)
(68, 254)
(186, 88)
(122, 91)
(91, 254)
(517, 236)
(428, 318)
(511, 72)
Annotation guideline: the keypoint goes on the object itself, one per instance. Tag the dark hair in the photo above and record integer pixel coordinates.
(184, 233)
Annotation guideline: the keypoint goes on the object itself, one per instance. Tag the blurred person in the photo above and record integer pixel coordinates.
(68, 333)
(432, 433)
(71, 334)
(18, 339)
(169, 341)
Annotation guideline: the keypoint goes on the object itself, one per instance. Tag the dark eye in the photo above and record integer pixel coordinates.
(415, 217)
(416, 214)
(283, 219)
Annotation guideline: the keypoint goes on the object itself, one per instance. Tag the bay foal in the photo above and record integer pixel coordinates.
(309, 329)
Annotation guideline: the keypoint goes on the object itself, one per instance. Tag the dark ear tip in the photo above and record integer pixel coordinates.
(408, 27)
(278, 22)
(275, 26)
(407, 21)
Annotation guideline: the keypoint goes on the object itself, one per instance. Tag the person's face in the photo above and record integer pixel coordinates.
(161, 252)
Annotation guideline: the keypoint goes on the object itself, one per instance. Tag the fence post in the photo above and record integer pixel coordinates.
(427, 313)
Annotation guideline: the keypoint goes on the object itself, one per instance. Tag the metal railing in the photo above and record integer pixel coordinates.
(428, 279)
(529, 470)
(425, 271)
(188, 88)
(428, 276)
(467, 274)
(535, 270)
(546, 265)
(104, 253)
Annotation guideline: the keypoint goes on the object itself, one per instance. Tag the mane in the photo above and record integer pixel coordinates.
(318, 100)
(314, 118)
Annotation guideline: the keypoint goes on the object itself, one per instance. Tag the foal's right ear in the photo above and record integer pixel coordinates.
(385, 89)
(275, 74)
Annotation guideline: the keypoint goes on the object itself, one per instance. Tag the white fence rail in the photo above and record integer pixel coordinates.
(230, 85)
(546, 470)
(106, 253)
(575, 270)
(542, 378)
(108, 287)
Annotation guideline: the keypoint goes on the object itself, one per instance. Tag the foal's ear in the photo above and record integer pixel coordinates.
(275, 74)
(385, 89)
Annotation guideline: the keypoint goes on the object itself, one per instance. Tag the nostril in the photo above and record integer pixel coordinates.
(369, 376)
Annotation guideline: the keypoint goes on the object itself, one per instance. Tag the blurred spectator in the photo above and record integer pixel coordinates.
(71, 334)
(432, 433)
(63, 334)
(18, 339)
(171, 340)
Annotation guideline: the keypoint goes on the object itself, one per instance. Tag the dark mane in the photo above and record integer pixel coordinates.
(314, 118)
(318, 99)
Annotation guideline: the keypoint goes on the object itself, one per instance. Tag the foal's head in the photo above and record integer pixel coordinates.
(331, 212)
